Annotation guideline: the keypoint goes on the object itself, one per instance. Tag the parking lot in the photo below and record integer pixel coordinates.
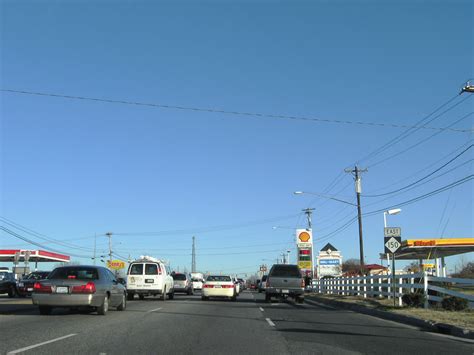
(189, 325)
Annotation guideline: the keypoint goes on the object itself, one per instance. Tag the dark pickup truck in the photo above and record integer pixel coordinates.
(285, 281)
(8, 283)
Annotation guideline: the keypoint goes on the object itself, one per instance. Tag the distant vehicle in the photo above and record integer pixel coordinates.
(25, 285)
(182, 283)
(148, 276)
(285, 281)
(263, 284)
(219, 286)
(8, 283)
(243, 284)
(94, 287)
(237, 285)
(198, 280)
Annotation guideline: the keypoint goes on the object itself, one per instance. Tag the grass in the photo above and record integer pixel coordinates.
(463, 319)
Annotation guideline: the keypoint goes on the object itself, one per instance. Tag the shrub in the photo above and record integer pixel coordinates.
(413, 299)
(451, 303)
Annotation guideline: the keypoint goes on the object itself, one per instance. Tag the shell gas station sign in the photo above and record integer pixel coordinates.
(304, 244)
(115, 264)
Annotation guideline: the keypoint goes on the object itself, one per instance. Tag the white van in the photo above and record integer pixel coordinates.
(197, 279)
(148, 276)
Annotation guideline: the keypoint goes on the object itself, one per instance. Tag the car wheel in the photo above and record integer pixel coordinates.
(171, 295)
(204, 298)
(45, 310)
(123, 305)
(141, 297)
(11, 292)
(268, 298)
(299, 299)
(104, 308)
(130, 296)
(233, 298)
(163, 295)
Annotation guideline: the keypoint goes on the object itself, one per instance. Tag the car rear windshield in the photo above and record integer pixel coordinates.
(152, 269)
(75, 273)
(285, 271)
(218, 278)
(136, 269)
(37, 276)
(179, 277)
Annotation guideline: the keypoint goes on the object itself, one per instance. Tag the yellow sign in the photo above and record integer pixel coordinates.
(428, 266)
(304, 237)
(304, 265)
(115, 264)
(439, 242)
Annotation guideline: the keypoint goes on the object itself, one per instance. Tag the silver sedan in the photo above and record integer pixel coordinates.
(94, 287)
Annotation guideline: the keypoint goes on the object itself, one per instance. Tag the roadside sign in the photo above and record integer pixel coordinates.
(392, 244)
(392, 231)
(115, 264)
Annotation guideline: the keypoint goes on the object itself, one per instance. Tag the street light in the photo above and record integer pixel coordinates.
(390, 212)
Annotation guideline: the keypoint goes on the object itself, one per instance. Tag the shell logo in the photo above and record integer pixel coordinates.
(304, 237)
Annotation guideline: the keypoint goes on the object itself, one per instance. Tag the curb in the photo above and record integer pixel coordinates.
(424, 324)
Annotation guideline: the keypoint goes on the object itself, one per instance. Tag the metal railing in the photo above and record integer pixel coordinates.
(433, 288)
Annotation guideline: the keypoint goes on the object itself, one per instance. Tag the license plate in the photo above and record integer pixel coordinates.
(285, 291)
(217, 286)
(149, 281)
(61, 289)
(29, 289)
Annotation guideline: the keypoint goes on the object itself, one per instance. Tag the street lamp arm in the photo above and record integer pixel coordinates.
(324, 196)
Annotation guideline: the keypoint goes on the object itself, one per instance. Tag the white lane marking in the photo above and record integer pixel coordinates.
(274, 304)
(154, 310)
(269, 321)
(261, 308)
(40, 344)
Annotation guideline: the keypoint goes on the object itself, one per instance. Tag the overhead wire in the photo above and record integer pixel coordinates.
(218, 111)
(424, 177)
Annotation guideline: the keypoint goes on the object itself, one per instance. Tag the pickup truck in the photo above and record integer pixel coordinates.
(285, 281)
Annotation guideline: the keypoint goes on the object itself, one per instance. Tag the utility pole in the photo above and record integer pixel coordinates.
(358, 188)
(308, 212)
(193, 259)
(109, 235)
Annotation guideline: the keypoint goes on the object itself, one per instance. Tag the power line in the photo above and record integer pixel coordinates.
(424, 177)
(237, 113)
(414, 129)
(16, 235)
(418, 143)
(208, 229)
(41, 236)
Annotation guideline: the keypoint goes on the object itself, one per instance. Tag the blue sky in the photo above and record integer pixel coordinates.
(71, 169)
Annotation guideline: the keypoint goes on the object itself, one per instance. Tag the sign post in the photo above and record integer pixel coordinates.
(392, 242)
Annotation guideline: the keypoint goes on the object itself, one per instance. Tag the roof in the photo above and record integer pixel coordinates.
(414, 249)
(374, 267)
(7, 255)
(329, 246)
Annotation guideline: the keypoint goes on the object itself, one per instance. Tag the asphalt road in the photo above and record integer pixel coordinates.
(189, 325)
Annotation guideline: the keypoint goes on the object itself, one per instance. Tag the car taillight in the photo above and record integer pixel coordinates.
(208, 286)
(228, 286)
(38, 287)
(267, 283)
(87, 288)
(303, 283)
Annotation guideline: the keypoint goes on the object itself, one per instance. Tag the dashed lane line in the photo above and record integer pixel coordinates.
(154, 310)
(40, 344)
(269, 321)
(260, 308)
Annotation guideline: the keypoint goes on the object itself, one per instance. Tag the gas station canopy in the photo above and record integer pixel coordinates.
(416, 249)
(35, 256)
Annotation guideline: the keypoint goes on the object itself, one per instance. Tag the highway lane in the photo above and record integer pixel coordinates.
(188, 325)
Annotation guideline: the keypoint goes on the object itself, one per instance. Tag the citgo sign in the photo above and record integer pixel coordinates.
(115, 264)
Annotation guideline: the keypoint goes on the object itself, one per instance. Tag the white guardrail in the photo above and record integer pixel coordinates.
(434, 288)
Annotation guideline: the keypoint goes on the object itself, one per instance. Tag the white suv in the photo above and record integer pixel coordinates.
(148, 276)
